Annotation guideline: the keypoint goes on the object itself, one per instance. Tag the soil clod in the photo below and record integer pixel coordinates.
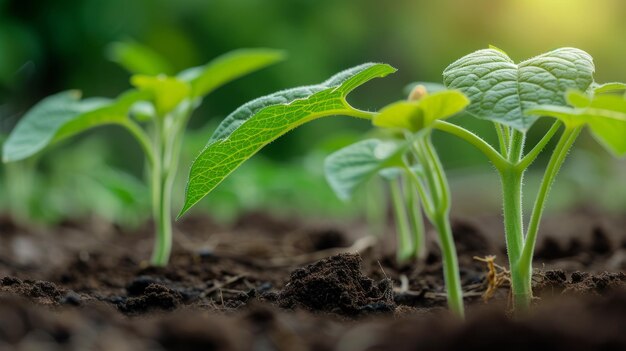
(337, 285)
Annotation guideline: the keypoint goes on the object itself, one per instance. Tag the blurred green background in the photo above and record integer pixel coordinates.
(49, 46)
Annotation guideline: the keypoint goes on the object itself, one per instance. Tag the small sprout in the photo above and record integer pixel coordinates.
(415, 174)
(164, 102)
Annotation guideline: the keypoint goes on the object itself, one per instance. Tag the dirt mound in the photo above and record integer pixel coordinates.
(336, 285)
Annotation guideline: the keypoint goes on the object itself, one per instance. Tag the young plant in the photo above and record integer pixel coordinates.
(414, 157)
(162, 103)
(354, 167)
(513, 96)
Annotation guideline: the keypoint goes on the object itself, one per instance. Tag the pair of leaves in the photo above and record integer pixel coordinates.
(257, 123)
(141, 60)
(355, 164)
(64, 114)
(415, 116)
(193, 83)
(503, 91)
(604, 114)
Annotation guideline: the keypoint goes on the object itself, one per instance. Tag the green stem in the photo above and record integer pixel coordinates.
(450, 265)
(353, 112)
(556, 161)
(503, 138)
(405, 247)
(417, 223)
(163, 219)
(424, 158)
(441, 221)
(516, 146)
(498, 161)
(513, 229)
(142, 139)
(511, 178)
(441, 181)
(532, 154)
(168, 142)
(429, 207)
(162, 242)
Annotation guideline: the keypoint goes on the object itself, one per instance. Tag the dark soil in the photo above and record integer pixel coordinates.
(272, 284)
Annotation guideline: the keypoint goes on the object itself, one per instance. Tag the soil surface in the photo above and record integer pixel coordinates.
(286, 284)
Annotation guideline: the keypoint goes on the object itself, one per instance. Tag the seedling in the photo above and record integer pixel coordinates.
(354, 167)
(514, 96)
(161, 103)
(414, 157)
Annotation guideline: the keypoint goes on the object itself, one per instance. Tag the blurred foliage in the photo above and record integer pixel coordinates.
(49, 46)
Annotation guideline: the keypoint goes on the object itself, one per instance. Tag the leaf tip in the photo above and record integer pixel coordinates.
(493, 47)
(183, 211)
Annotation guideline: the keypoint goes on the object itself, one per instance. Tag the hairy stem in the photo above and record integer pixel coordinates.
(511, 178)
(513, 229)
(503, 138)
(556, 161)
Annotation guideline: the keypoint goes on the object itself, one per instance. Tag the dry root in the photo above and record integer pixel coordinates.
(497, 276)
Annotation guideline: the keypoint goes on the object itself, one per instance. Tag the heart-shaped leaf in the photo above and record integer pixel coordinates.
(502, 91)
(61, 115)
(257, 123)
(604, 114)
(352, 166)
(418, 115)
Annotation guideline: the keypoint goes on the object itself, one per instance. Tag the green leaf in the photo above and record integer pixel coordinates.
(604, 114)
(502, 91)
(614, 87)
(167, 92)
(577, 99)
(228, 67)
(62, 115)
(418, 115)
(138, 59)
(257, 123)
(354, 165)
